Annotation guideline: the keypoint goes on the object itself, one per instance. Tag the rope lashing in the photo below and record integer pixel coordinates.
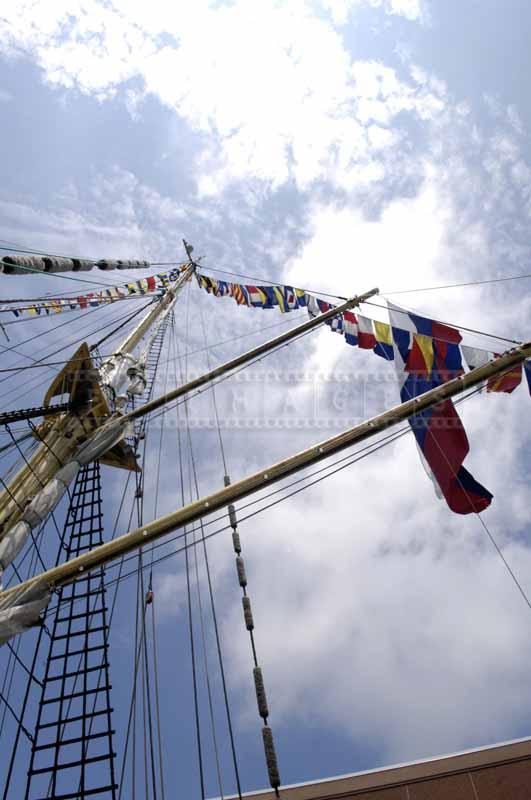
(240, 568)
(261, 697)
(247, 613)
(271, 758)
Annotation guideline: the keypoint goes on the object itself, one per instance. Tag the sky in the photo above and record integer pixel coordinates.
(336, 145)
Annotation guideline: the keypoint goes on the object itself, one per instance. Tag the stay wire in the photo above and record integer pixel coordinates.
(121, 325)
(116, 596)
(267, 281)
(257, 511)
(31, 382)
(193, 474)
(407, 312)
(150, 586)
(112, 321)
(190, 622)
(8, 678)
(25, 319)
(213, 387)
(346, 461)
(146, 684)
(227, 375)
(209, 578)
(253, 332)
(68, 321)
(376, 305)
(459, 285)
(478, 515)
(362, 452)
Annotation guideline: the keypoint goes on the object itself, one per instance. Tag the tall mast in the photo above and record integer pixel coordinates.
(95, 394)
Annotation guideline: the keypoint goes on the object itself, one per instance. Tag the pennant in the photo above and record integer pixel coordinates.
(256, 297)
(435, 346)
(401, 342)
(281, 298)
(316, 306)
(336, 324)
(366, 337)
(429, 327)
(222, 289)
(507, 382)
(474, 357)
(151, 283)
(301, 296)
(240, 294)
(384, 341)
(270, 297)
(439, 432)
(131, 288)
(421, 356)
(350, 324)
(313, 308)
(290, 297)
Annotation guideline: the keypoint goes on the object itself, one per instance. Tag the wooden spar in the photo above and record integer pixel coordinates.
(67, 572)
(201, 380)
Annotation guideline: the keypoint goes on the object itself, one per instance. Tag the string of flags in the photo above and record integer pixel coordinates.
(425, 354)
(285, 298)
(429, 344)
(113, 294)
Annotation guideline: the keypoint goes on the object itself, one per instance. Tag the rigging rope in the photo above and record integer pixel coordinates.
(252, 332)
(346, 461)
(34, 385)
(385, 291)
(193, 474)
(209, 578)
(382, 293)
(406, 312)
(190, 620)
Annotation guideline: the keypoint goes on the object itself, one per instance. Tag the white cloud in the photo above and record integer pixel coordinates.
(376, 610)
(340, 10)
(272, 85)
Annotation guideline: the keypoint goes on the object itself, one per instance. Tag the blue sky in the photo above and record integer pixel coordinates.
(335, 145)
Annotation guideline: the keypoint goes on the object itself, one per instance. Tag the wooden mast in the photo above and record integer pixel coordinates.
(62, 435)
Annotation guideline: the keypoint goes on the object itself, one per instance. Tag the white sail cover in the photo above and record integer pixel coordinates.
(22, 610)
(48, 497)
(12, 544)
(102, 440)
